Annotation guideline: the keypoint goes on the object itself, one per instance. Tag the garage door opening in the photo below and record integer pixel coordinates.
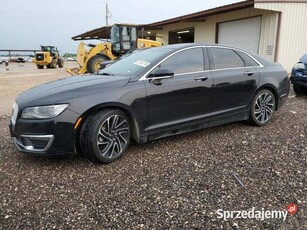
(181, 36)
(243, 33)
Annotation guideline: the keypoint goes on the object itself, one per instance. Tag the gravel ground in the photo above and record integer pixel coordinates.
(177, 182)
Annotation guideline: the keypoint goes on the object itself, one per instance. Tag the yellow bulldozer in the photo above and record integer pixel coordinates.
(48, 56)
(121, 39)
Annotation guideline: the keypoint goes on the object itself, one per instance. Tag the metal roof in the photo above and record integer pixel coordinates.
(99, 33)
(104, 32)
(201, 15)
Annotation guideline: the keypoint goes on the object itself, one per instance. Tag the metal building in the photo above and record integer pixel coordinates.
(274, 29)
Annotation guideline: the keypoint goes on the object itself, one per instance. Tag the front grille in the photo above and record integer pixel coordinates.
(39, 57)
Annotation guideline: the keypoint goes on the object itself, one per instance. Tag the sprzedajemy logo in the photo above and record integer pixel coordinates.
(257, 214)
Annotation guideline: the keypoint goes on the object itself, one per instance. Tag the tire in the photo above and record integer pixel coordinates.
(40, 66)
(262, 108)
(93, 64)
(298, 89)
(60, 63)
(52, 65)
(105, 136)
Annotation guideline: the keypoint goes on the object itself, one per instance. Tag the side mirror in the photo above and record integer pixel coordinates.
(160, 74)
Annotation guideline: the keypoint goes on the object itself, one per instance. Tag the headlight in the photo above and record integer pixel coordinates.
(299, 65)
(43, 112)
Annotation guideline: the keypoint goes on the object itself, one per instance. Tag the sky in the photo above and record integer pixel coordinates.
(27, 24)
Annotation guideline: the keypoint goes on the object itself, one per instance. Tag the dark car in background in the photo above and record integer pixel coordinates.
(18, 60)
(299, 76)
(148, 95)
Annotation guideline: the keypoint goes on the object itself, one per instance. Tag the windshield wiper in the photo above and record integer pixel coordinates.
(106, 74)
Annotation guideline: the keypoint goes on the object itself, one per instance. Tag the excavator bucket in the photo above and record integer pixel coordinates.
(81, 55)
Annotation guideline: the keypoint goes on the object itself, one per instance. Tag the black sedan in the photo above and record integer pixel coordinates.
(148, 95)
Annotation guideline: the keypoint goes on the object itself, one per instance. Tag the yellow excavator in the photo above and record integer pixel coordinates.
(122, 39)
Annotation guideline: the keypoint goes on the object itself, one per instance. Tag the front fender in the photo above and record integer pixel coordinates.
(135, 119)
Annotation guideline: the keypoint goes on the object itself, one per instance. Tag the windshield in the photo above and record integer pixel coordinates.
(45, 48)
(304, 59)
(135, 63)
(114, 34)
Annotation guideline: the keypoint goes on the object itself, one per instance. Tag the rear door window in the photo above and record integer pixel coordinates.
(226, 58)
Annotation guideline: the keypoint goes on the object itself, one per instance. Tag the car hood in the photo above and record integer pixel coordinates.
(61, 91)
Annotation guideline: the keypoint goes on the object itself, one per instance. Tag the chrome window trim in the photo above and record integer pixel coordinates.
(221, 47)
(187, 48)
(201, 71)
(245, 67)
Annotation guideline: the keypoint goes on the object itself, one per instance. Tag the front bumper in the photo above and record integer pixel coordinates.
(33, 143)
(41, 62)
(299, 77)
(299, 80)
(51, 137)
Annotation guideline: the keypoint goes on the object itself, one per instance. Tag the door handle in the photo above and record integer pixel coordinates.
(248, 73)
(201, 78)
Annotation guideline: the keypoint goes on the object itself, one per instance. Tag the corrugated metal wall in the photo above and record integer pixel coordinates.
(206, 31)
(293, 31)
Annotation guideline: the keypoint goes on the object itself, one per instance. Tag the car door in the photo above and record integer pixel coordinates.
(185, 97)
(235, 80)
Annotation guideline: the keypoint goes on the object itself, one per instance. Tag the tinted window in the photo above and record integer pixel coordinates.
(186, 61)
(226, 58)
(247, 59)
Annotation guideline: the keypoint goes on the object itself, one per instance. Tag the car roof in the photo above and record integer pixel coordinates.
(187, 45)
(175, 47)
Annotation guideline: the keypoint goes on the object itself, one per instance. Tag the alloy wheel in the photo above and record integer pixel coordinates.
(113, 136)
(264, 107)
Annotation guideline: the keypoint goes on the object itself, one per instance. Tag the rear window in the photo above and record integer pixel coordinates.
(247, 59)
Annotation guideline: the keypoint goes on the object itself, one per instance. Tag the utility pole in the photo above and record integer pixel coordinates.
(107, 15)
